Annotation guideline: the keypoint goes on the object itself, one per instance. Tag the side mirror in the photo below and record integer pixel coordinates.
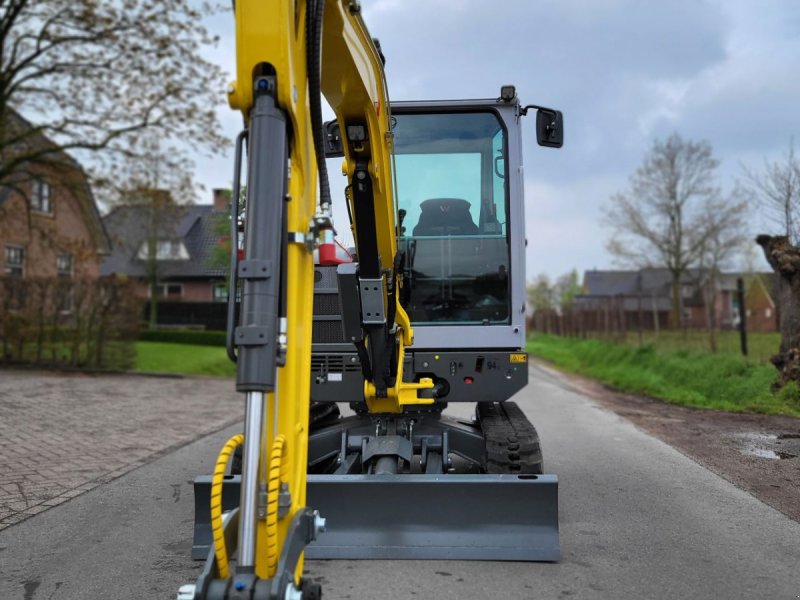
(333, 140)
(549, 128)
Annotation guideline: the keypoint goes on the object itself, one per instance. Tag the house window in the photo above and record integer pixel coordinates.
(168, 291)
(64, 264)
(15, 260)
(767, 312)
(14, 264)
(165, 250)
(65, 293)
(220, 292)
(40, 199)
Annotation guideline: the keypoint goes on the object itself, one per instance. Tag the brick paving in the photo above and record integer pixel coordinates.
(62, 435)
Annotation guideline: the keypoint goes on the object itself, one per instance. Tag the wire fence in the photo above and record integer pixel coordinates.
(634, 320)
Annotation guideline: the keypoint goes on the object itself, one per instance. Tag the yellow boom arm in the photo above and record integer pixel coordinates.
(275, 43)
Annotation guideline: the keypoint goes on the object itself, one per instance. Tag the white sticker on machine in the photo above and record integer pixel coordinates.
(334, 376)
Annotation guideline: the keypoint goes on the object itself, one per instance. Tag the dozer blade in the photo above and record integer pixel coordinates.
(453, 516)
(457, 517)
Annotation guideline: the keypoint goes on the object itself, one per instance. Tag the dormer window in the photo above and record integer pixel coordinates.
(165, 250)
(40, 198)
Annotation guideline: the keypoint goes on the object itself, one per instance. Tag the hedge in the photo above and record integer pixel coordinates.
(184, 336)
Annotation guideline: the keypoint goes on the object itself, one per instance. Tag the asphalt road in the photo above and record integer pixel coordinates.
(638, 520)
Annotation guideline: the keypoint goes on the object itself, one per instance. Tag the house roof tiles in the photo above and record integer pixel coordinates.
(194, 226)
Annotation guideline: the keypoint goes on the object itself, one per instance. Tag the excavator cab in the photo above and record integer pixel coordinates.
(461, 236)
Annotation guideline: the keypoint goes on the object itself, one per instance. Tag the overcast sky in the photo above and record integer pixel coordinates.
(624, 73)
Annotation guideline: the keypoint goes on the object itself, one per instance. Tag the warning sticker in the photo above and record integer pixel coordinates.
(519, 358)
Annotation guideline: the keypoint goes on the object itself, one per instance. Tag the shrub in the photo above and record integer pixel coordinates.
(184, 336)
(84, 323)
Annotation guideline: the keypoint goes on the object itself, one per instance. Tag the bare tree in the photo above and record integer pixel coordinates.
(566, 288)
(542, 300)
(778, 187)
(661, 219)
(541, 293)
(777, 190)
(82, 77)
(724, 223)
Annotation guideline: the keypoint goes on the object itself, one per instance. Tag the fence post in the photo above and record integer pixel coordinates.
(742, 316)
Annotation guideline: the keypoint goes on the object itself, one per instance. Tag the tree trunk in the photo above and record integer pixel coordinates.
(784, 258)
(676, 316)
(710, 300)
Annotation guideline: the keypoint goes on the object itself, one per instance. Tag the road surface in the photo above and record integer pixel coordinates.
(638, 520)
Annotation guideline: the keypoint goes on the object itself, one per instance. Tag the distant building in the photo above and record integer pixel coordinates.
(182, 238)
(643, 299)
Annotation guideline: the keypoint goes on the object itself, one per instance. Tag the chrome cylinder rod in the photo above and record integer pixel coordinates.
(248, 511)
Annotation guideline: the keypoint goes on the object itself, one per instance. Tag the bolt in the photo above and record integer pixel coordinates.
(292, 593)
(186, 592)
(319, 524)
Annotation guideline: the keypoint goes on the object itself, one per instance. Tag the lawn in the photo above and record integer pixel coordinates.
(721, 381)
(163, 357)
(760, 345)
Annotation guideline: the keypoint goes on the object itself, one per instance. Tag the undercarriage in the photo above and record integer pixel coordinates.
(423, 486)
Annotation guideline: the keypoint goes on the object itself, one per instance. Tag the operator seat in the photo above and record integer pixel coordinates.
(445, 216)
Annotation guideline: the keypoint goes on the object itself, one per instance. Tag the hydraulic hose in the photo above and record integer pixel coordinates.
(278, 474)
(314, 13)
(216, 504)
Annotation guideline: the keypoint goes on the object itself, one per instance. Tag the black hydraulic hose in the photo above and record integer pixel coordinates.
(232, 279)
(314, 13)
(284, 269)
(391, 313)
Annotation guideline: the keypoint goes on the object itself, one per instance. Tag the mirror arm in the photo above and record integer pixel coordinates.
(524, 110)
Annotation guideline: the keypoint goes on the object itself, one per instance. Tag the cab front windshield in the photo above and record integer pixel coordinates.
(451, 183)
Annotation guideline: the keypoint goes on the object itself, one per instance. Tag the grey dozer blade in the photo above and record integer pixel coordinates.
(416, 507)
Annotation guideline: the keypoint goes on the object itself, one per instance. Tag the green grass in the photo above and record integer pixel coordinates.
(163, 357)
(722, 381)
(760, 345)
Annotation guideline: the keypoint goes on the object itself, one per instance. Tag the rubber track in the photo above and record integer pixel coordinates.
(512, 444)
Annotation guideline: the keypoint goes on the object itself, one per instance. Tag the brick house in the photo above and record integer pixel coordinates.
(49, 222)
(761, 310)
(183, 239)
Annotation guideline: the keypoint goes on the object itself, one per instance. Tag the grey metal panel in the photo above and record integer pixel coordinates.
(372, 292)
(449, 517)
(203, 538)
(468, 336)
(516, 187)
(458, 517)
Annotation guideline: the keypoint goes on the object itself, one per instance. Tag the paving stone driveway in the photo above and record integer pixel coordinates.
(62, 435)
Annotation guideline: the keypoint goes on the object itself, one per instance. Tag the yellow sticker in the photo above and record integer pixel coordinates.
(518, 358)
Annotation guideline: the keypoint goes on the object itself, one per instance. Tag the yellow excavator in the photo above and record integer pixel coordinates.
(428, 309)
